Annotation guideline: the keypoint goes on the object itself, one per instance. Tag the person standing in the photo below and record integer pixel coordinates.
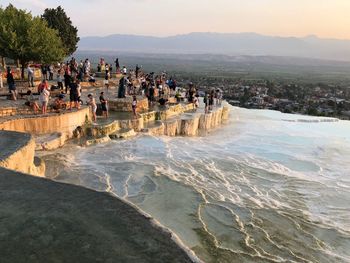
(134, 105)
(51, 69)
(79, 90)
(11, 84)
(1, 81)
(92, 103)
(211, 99)
(191, 92)
(43, 85)
(30, 76)
(67, 77)
(137, 69)
(87, 66)
(151, 94)
(74, 95)
(121, 90)
(60, 79)
(104, 105)
(206, 102)
(107, 76)
(44, 99)
(44, 71)
(117, 66)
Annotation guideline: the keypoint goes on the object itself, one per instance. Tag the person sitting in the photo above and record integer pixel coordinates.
(162, 101)
(30, 102)
(92, 79)
(59, 103)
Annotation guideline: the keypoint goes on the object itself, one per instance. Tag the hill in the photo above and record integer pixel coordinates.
(219, 43)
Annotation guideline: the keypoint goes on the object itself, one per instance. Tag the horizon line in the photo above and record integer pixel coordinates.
(220, 33)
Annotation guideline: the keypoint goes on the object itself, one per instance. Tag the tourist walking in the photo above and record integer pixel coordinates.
(104, 105)
(44, 99)
(92, 103)
(11, 84)
(30, 72)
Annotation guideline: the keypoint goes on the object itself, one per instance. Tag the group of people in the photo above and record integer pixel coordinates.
(92, 103)
(210, 97)
(47, 71)
(157, 88)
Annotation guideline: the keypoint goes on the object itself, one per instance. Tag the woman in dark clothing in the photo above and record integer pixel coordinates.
(11, 84)
(67, 78)
(104, 105)
(151, 94)
(211, 99)
(74, 95)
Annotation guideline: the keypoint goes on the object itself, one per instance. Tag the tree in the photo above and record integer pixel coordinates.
(28, 38)
(57, 19)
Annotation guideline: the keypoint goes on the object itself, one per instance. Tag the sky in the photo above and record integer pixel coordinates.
(324, 18)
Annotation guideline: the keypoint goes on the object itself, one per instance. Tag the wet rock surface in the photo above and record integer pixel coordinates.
(45, 221)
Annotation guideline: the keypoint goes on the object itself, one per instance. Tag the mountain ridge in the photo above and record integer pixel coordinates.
(248, 43)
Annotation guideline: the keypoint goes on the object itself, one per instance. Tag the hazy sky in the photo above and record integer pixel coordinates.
(325, 18)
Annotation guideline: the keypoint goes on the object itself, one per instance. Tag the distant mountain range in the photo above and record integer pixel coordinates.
(251, 44)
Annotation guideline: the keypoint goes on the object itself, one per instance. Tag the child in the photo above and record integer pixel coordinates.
(134, 105)
(30, 102)
(44, 99)
(92, 103)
